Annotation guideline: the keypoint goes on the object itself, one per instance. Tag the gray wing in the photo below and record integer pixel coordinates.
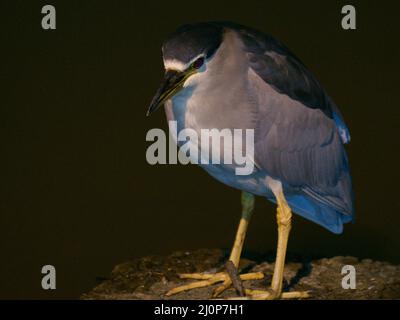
(280, 68)
(298, 139)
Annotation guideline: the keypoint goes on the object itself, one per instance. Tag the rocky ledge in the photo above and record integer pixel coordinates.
(151, 277)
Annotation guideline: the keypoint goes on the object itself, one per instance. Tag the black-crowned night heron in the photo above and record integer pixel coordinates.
(226, 76)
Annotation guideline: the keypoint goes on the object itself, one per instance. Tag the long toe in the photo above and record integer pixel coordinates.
(272, 295)
(206, 279)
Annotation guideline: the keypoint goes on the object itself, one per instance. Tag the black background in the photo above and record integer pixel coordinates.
(76, 190)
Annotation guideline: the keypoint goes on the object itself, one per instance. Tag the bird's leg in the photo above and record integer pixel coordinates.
(284, 219)
(210, 279)
(247, 211)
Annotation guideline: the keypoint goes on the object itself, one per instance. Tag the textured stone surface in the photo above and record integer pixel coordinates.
(150, 277)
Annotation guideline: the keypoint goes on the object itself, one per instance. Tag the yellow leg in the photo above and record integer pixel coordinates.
(284, 219)
(210, 279)
(239, 240)
(235, 255)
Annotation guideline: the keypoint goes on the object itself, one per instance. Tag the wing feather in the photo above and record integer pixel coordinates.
(302, 147)
(300, 133)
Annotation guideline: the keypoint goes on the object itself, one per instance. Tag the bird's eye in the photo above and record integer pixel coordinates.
(198, 63)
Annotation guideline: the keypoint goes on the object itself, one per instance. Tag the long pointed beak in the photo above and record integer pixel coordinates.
(171, 85)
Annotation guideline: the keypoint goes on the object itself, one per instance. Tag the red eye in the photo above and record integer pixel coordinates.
(198, 63)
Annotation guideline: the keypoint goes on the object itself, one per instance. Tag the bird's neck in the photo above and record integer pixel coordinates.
(218, 97)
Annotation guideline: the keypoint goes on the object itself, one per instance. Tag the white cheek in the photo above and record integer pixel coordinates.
(192, 80)
(196, 78)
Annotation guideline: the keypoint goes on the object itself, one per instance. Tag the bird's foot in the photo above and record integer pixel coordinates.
(273, 295)
(205, 280)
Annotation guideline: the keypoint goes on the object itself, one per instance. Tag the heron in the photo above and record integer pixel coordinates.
(225, 75)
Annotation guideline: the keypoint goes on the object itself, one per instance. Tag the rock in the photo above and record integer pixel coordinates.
(151, 277)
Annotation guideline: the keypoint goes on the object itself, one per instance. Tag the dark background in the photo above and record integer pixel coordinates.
(76, 190)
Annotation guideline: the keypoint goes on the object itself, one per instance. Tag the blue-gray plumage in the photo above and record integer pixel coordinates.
(223, 75)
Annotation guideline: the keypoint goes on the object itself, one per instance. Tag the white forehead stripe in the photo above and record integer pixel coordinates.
(173, 64)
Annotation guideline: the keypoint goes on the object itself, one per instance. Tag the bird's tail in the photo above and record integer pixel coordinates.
(325, 215)
(328, 206)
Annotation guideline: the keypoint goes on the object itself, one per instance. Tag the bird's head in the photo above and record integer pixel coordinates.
(185, 54)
